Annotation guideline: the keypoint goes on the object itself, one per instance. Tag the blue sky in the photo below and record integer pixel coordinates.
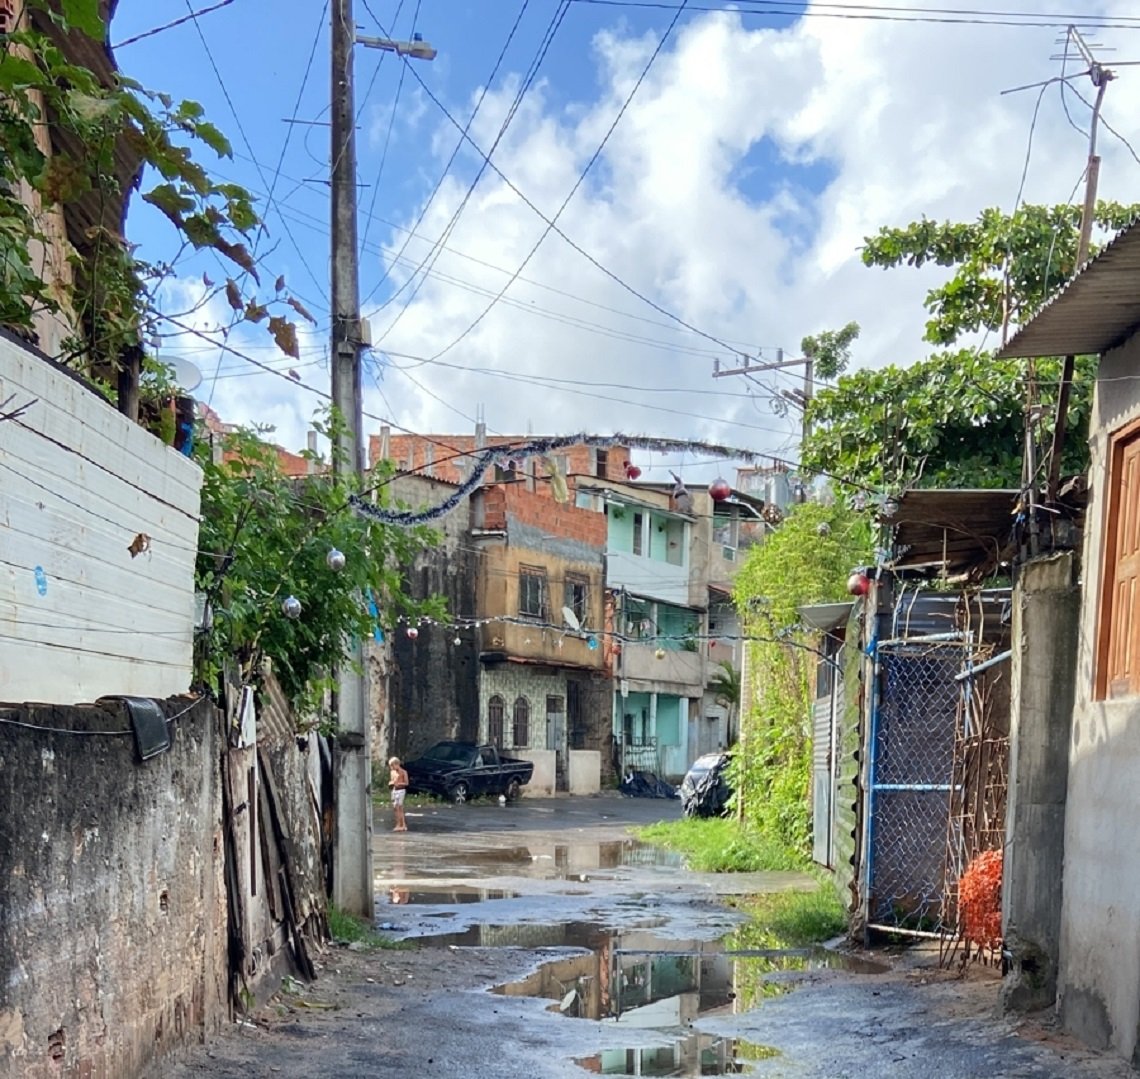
(733, 194)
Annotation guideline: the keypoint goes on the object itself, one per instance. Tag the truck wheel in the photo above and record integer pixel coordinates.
(459, 793)
(513, 790)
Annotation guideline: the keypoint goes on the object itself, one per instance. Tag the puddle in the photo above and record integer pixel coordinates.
(446, 897)
(566, 861)
(582, 935)
(694, 1054)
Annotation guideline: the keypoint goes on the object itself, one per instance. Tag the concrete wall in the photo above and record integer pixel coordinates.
(585, 771)
(113, 935)
(80, 616)
(542, 783)
(1099, 976)
(1046, 610)
(426, 690)
(677, 671)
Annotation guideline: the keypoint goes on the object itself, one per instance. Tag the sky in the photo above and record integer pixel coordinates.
(711, 174)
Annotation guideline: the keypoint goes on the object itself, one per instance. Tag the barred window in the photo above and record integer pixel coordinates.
(522, 722)
(495, 708)
(532, 592)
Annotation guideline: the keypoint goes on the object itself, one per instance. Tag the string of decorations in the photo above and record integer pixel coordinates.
(545, 448)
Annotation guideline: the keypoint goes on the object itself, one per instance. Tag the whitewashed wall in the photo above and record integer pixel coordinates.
(79, 617)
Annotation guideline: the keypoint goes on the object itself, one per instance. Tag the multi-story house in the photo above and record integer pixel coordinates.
(602, 623)
(523, 663)
(672, 622)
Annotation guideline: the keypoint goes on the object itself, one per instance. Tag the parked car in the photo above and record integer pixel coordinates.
(705, 790)
(463, 770)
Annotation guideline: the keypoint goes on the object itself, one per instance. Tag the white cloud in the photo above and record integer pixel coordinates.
(909, 118)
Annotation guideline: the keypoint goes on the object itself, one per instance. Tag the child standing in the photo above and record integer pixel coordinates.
(398, 782)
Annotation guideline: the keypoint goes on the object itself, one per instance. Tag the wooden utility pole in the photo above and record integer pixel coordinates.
(800, 397)
(352, 755)
(1100, 77)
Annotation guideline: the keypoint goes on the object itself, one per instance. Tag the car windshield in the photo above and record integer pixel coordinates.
(450, 752)
(703, 764)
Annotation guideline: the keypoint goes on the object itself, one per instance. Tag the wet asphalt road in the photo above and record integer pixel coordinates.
(549, 943)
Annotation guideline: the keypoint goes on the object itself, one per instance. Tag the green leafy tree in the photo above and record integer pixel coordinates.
(112, 300)
(265, 537)
(806, 560)
(957, 418)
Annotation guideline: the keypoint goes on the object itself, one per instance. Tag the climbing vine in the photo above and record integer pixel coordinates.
(807, 560)
(93, 127)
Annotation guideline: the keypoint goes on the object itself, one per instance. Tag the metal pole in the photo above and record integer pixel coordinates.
(352, 764)
(1101, 77)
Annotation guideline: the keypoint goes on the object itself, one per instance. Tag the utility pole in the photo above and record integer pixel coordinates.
(1100, 76)
(352, 754)
(802, 398)
(352, 760)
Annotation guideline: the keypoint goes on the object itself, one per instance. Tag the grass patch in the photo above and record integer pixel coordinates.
(348, 929)
(790, 919)
(721, 845)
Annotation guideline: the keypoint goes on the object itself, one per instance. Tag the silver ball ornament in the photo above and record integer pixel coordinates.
(335, 560)
(291, 607)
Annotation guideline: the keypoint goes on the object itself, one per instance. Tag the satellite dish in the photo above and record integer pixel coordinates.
(186, 374)
(571, 619)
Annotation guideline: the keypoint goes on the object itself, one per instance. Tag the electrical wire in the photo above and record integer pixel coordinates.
(172, 24)
(454, 153)
(89, 734)
(882, 13)
(391, 122)
(552, 223)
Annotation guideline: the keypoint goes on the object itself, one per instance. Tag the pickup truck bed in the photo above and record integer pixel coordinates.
(463, 770)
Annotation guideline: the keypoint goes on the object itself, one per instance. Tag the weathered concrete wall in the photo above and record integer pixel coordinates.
(113, 935)
(542, 783)
(847, 818)
(1046, 612)
(431, 692)
(1098, 991)
(585, 771)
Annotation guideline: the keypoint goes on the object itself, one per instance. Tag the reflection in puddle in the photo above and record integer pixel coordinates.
(584, 935)
(567, 861)
(639, 979)
(446, 897)
(694, 1054)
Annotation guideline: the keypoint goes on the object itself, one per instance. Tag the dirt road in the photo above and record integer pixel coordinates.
(546, 942)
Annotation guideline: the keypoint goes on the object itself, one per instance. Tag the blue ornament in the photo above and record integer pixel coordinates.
(592, 643)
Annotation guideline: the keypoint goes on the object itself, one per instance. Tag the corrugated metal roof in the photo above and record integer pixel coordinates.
(1097, 310)
(958, 529)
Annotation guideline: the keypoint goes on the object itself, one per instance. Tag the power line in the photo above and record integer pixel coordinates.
(454, 153)
(434, 252)
(552, 223)
(172, 24)
(391, 119)
(881, 13)
(617, 279)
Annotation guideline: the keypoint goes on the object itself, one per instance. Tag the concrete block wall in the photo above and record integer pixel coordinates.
(113, 935)
(585, 771)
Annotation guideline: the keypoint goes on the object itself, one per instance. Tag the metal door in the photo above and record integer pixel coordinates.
(556, 739)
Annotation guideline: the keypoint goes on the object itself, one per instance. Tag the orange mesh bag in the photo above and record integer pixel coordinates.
(979, 900)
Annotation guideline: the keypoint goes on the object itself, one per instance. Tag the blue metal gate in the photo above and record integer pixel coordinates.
(910, 776)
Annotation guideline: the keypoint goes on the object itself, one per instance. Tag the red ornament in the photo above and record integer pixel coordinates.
(632, 472)
(858, 584)
(719, 489)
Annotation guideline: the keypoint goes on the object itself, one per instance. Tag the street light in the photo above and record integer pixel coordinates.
(417, 48)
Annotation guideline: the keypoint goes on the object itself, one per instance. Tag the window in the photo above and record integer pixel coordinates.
(1118, 643)
(576, 596)
(522, 722)
(495, 720)
(638, 521)
(532, 592)
(487, 757)
(601, 461)
(639, 624)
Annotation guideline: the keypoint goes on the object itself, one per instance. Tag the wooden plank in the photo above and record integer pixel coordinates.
(61, 674)
(74, 415)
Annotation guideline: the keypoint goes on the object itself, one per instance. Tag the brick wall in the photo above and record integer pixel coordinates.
(449, 457)
(113, 934)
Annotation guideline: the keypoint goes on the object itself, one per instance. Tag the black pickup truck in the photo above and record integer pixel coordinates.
(462, 770)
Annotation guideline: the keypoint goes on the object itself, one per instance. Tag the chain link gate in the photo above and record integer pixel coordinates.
(910, 780)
